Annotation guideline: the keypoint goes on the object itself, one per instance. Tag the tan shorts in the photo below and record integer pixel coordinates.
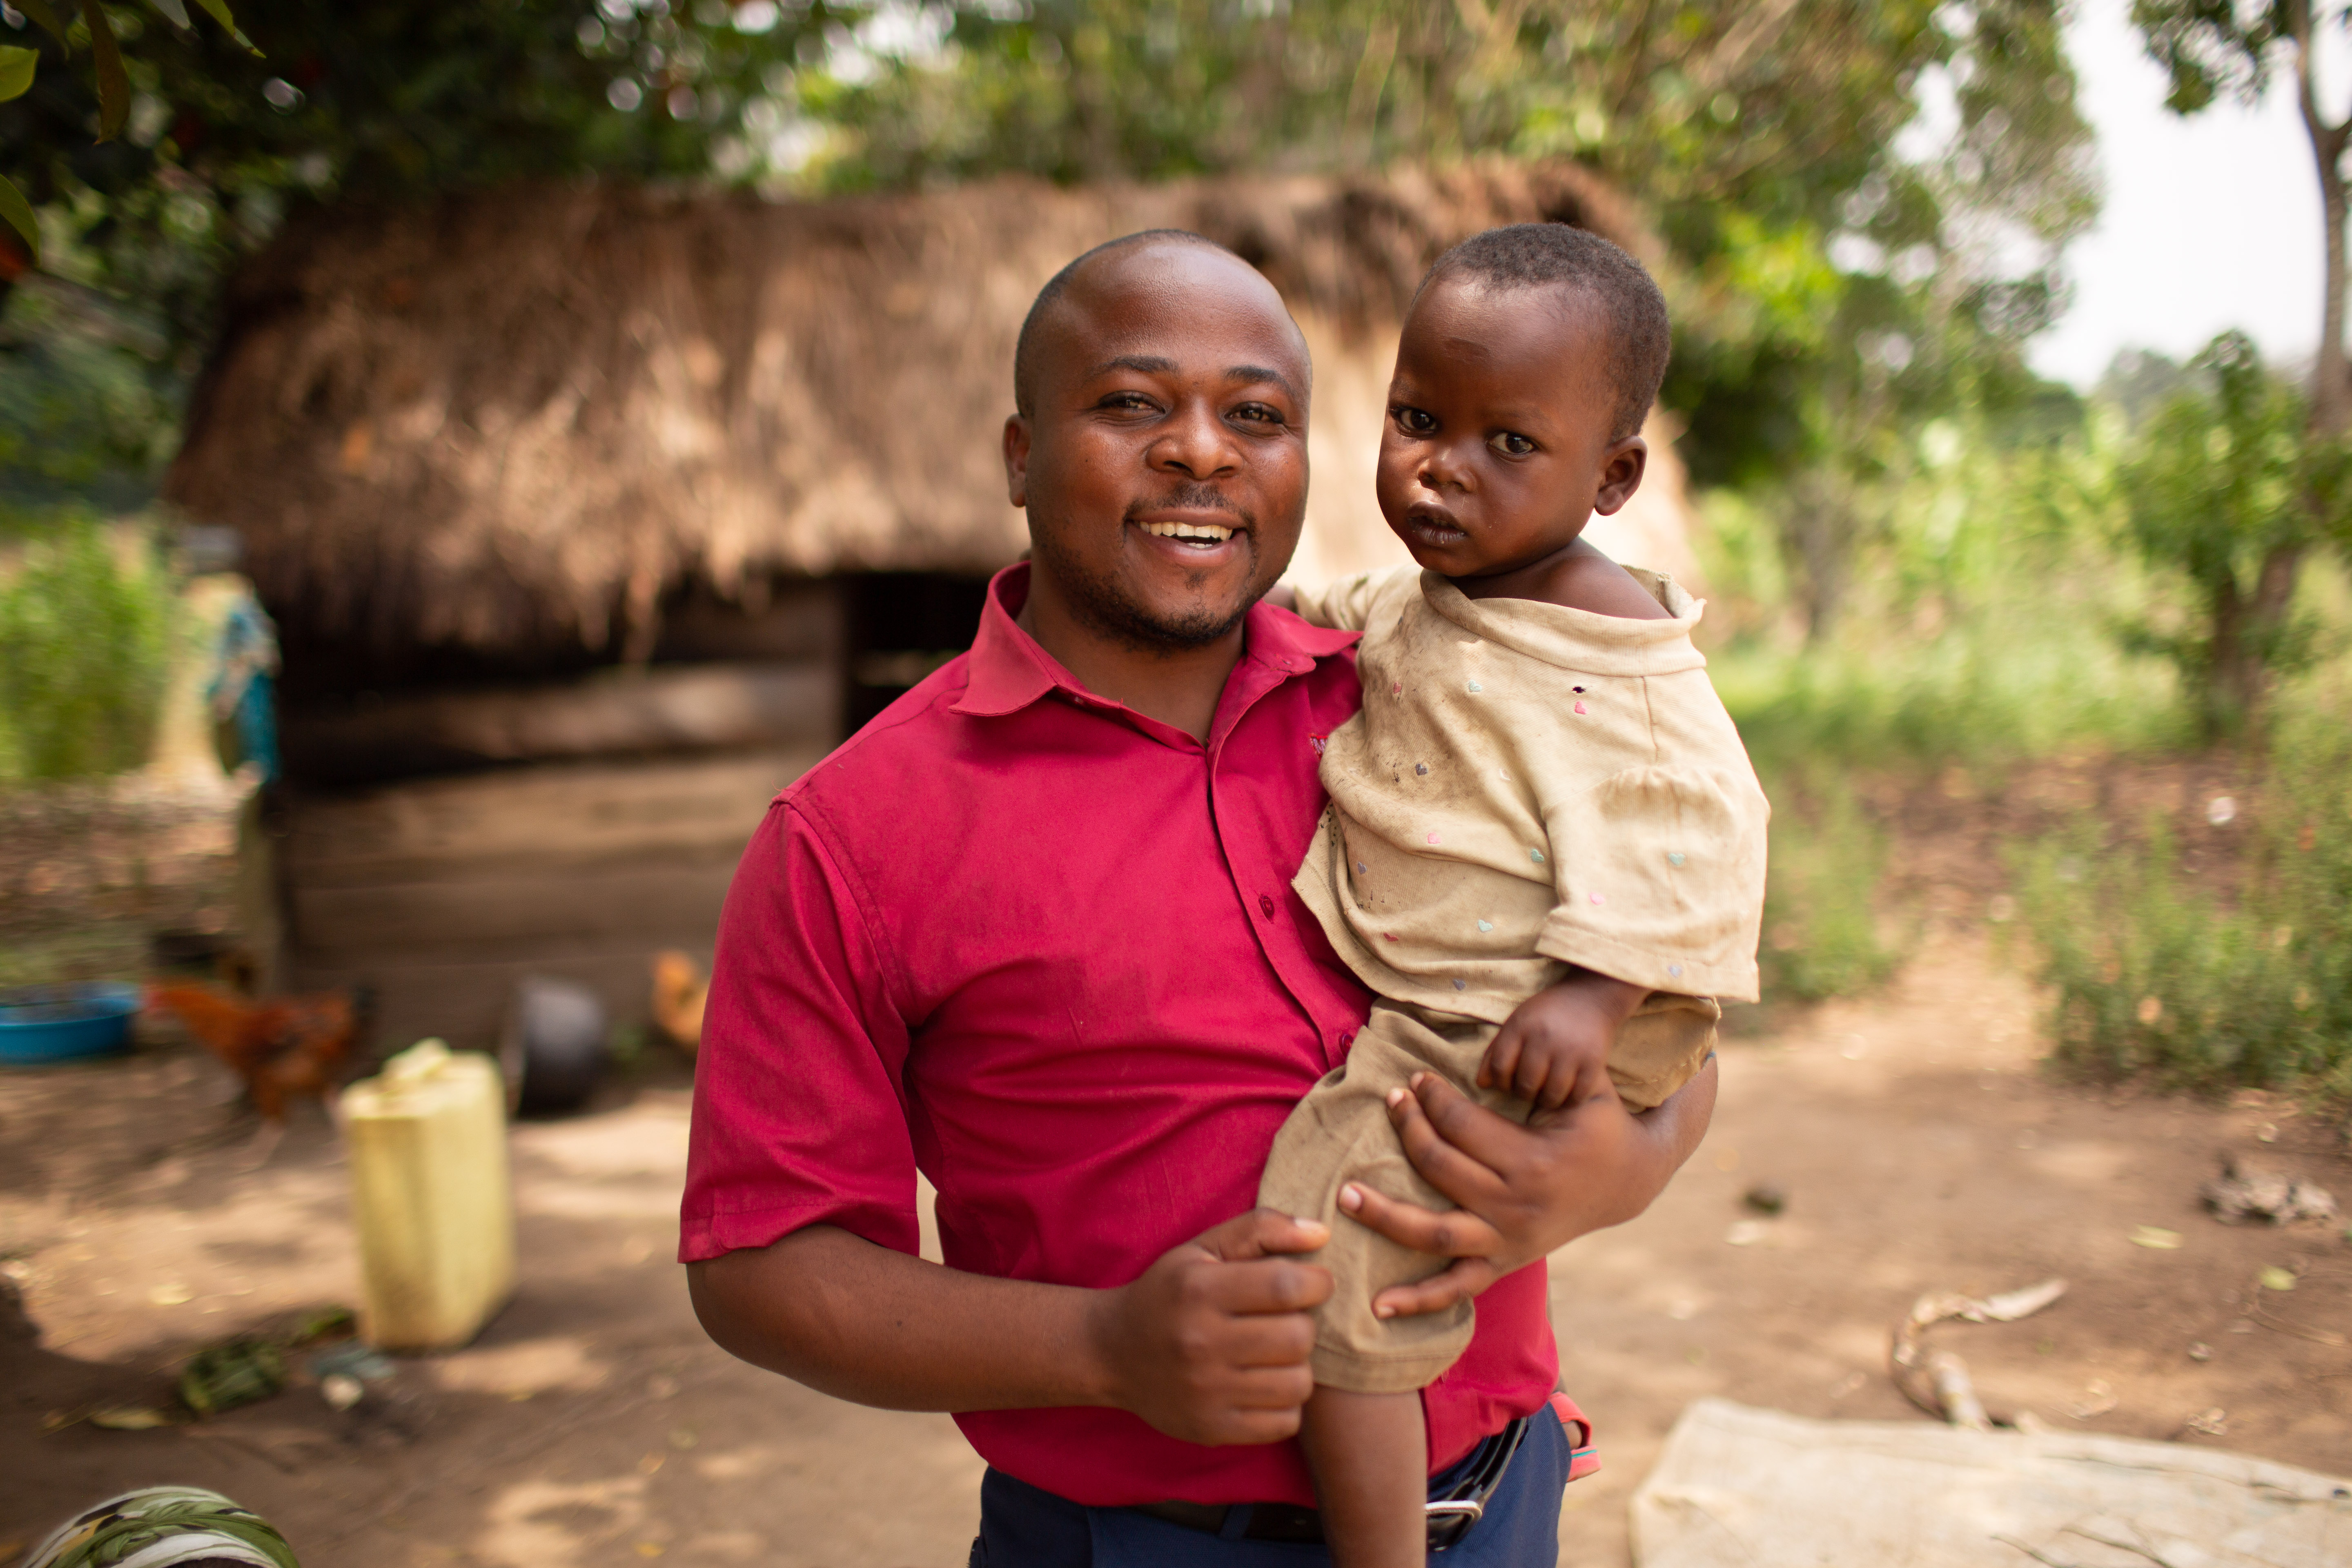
(1340, 1133)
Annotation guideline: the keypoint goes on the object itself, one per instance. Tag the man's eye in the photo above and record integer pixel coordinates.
(1511, 444)
(1413, 421)
(1263, 412)
(1126, 400)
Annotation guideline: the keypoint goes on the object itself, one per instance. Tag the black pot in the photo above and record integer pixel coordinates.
(554, 1050)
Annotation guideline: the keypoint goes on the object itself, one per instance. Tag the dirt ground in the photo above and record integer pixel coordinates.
(1919, 1144)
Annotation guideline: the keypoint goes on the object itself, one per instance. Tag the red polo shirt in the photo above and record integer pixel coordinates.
(1044, 949)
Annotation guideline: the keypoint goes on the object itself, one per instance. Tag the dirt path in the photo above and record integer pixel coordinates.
(593, 1424)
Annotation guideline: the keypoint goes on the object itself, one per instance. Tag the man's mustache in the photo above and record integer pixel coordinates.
(1192, 496)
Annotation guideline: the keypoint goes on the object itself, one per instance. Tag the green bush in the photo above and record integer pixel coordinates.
(1820, 900)
(2155, 974)
(84, 643)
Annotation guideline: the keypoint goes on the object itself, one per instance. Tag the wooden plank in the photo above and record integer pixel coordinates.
(650, 902)
(661, 710)
(465, 1002)
(581, 815)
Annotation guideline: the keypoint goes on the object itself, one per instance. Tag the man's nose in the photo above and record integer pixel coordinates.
(1195, 441)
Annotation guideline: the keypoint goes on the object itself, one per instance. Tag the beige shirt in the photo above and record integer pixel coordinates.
(1529, 786)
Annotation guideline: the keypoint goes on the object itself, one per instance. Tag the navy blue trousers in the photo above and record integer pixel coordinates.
(1022, 1526)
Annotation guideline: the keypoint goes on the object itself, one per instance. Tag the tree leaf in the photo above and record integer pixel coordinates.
(16, 71)
(219, 11)
(174, 9)
(46, 20)
(113, 81)
(19, 214)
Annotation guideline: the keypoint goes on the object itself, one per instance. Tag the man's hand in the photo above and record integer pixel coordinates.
(1524, 1191)
(1210, 1343)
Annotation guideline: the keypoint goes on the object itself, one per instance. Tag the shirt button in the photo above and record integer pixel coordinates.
(1347, 1038)
(1267, 904)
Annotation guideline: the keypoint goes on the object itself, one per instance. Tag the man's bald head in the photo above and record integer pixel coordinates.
(1030, 350)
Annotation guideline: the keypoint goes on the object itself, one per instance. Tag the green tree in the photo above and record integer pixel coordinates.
(205, 147)
(1832, 281)
(2222, 480)
(2210, 48)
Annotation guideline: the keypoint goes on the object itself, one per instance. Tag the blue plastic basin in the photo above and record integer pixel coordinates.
(65, 1023)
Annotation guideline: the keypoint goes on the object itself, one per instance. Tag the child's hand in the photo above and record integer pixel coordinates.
(1554, 1048)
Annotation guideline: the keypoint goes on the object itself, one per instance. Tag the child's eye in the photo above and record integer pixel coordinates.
(1511, 444)
(1412, 421)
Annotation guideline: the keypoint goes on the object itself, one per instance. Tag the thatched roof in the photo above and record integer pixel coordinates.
(513, 421)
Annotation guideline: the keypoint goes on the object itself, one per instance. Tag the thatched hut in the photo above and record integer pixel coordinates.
(695, 481)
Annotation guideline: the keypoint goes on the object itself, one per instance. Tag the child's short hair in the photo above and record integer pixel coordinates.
(1545, 255)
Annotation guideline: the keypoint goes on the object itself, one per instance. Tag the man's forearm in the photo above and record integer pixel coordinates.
(863, 1323)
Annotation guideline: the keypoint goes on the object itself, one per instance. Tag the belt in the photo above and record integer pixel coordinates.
(1460, 1504)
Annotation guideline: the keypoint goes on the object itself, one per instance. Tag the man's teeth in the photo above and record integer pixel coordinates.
(1208, 533)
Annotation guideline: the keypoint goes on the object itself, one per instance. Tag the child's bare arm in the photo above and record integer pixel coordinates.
(1554, 1048)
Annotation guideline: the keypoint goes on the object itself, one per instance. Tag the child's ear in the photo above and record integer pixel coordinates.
(1622, 468)
(1016, 461)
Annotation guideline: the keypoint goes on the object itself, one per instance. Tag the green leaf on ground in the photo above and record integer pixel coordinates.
(19, 214)
(2277, 1279)
(17, 67)
(2155, 1236)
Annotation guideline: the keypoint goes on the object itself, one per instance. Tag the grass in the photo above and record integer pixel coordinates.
(86, 622)
(1996, 692)
(2156, 975)
(1823, 931)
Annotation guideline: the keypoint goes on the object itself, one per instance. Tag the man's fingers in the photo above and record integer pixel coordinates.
(1436, 1143)
(1265, 1286)
(1273, 1341)
(1262, 1233)
(1464, 1280)
(1254, 1427)
(1449, 1233)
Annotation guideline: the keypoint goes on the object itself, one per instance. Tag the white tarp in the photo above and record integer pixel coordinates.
(1738, 1488)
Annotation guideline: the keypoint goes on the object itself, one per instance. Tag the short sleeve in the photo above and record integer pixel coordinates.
(1659, 871)
(799, 1108)
(1347, 605)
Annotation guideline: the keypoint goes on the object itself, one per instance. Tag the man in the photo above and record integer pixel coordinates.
(1032, 930)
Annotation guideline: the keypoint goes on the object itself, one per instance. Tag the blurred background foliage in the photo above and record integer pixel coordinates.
(1926, 562)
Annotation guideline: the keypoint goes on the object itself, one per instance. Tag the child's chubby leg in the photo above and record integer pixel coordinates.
(1369, 1454)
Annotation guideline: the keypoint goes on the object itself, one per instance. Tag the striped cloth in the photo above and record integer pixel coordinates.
(164, 1527)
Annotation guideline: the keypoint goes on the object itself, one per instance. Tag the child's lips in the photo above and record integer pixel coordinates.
(1430, 526)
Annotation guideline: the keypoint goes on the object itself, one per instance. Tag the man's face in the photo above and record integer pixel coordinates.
(1163, 464)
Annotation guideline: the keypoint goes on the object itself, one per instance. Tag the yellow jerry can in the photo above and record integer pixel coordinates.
(431, 1195)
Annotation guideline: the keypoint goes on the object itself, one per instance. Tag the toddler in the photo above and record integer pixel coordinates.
(1545, 848)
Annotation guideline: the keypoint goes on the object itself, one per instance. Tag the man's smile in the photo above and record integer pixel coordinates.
(1197, 534)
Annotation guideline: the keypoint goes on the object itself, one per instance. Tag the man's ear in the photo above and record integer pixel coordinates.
(1016, 461)
(1622, 468)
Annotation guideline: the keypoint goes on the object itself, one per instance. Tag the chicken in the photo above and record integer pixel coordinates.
(280, 1047)
(679, 991)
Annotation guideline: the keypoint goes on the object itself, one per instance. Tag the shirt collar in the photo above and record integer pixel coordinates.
(1006, 669)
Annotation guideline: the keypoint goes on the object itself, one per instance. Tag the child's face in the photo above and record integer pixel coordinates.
(1497, 446)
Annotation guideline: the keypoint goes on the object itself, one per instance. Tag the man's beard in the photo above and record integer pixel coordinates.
(1105, 609)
